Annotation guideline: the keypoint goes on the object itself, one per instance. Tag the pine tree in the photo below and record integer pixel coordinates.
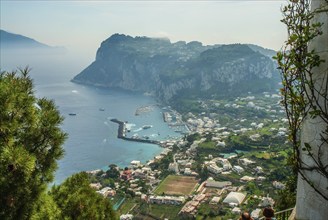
(77, 200)
(30, 145)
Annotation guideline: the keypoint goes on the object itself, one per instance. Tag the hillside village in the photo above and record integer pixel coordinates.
(230, 161)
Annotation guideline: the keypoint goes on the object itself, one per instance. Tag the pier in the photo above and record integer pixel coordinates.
(122, 135)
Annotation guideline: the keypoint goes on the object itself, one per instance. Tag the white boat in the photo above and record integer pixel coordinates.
(146, 126)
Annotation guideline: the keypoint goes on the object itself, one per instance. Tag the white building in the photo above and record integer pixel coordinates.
(135, 163)
(215, 200)
(238, 169)
(167, 200)
(246, 161)
(234, 197)
(217, 184)
(266, 201)
(259, 169)
(255, 214)
(236, 210)
(126, 217)
(214, 169)
(247, 178)
(187, 171)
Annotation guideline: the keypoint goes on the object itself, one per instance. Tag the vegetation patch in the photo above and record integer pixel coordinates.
(176, 185)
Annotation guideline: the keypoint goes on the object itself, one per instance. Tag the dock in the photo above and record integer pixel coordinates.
(122, 133)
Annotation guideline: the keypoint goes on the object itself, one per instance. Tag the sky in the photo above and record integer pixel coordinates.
(81, 26)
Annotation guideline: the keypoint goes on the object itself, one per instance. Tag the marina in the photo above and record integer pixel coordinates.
(122, 135)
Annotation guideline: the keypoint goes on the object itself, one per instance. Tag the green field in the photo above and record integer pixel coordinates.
(176, 185)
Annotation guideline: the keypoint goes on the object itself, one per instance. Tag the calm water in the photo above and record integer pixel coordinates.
(92, 142)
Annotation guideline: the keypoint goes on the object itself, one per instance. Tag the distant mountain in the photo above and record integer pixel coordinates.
(265, 51)
(168, 70)
(16, 41)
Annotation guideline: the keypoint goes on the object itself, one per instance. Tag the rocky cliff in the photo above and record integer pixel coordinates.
(167, 69)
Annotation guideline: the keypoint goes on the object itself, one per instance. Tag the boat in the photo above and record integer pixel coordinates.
(146, 126)
(101, 109)
(135, 136)
(72, 114)
(145, 137)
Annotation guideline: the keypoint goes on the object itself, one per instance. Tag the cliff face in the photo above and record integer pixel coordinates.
(167, 69)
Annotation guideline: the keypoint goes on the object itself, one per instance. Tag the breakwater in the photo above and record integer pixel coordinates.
(122, 133)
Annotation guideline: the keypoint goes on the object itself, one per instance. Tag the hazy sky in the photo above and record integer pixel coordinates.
(81, 26)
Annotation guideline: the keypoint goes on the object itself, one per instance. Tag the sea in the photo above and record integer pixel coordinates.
(92, 138)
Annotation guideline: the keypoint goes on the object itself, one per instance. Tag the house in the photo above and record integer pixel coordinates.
(188, 210)
(234, 197)
(245, 161)
(107, 191)
(236, 210)
(247, 178)
(144, 197)
(215, 200)
(214, 169)
(217, 184)
(126, 174)
(172, 167)
(255, 137)
(258, 169)
(93, 172)
(146, 169)
(135, 163)
(221, 144)
(260, 178)
(187, 171)
(255, 214)
(172, 200)
(227, 166)
(158, 158)
(238, 169)
(96, 186)
(266, 201)
(138, 173)
(200, 197)
(126, 217)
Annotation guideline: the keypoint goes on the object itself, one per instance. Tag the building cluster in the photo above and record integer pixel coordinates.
(211, 191)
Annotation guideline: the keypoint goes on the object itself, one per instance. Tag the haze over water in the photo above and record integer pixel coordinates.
(92, 141)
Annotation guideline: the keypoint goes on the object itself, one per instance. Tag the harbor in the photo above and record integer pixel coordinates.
(122, 133)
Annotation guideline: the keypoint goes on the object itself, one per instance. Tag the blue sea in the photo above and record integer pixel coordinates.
(92, 138)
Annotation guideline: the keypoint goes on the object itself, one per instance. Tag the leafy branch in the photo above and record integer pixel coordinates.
(304, 95)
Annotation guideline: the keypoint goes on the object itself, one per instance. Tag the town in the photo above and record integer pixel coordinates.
(232, 157)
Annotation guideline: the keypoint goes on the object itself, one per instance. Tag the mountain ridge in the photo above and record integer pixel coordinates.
(12, 41)
(167, 70)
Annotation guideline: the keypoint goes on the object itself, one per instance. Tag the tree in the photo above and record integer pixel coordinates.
(77, 200)
(303, 65)
(113, 172)
(30, 145)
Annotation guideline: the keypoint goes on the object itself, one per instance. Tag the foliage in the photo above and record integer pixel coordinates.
(30, 145)
(77, 200)
(302, 94)
(112, 172)
(46, 208)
